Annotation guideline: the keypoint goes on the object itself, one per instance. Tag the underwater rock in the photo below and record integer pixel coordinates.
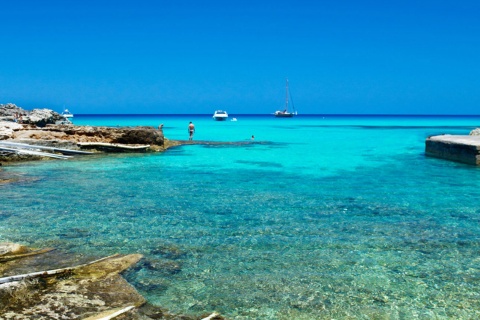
(166, 266)
(92, 291)
(163, 266)
(154, 312)
(69, 293)
(152, 284)
(23, 254)
(168, 251)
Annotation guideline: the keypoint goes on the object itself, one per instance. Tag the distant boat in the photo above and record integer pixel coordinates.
(285, 113)
(67, 114)
(220, 115)
(234, 119)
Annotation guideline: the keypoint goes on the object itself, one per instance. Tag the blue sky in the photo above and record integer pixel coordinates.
(180, 56)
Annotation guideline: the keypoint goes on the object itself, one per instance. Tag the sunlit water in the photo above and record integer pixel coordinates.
(319, 217)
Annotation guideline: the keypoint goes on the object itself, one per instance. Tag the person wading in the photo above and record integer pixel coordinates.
(191, 130)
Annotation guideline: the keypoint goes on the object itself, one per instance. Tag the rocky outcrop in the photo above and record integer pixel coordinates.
(93, 139)
(36, 117)
(125, 135)
(7, 129)
(475, 132)
(10, 248)
(42, 117)
(145, 135)
(47, 125)
(94, 290)
(10, 111)
(69, 293)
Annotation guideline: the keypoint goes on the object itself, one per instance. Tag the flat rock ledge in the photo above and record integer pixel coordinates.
(95, 139)
(46, 127)
(74, 134)
(458, 148)
(94, 290)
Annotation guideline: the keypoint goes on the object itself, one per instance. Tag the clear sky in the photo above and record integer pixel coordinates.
(186, 56)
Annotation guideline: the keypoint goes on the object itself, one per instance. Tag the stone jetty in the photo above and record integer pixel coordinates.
(459, 148)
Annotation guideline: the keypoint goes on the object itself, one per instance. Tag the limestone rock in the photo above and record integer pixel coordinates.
(7, 129)
(11, 248)
(475, 132)
(9, 110)
(48, 128)
(37, 117)
(126, 135)
(42, 117)
(140, 135)
(82, 292)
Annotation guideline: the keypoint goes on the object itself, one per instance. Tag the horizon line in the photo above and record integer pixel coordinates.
(271, 114)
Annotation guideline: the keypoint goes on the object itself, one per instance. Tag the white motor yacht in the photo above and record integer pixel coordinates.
(220, 115)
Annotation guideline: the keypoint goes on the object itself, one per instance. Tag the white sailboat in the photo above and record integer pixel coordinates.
(285, 113)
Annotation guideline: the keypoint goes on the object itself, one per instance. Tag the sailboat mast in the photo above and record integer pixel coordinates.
(286, 96)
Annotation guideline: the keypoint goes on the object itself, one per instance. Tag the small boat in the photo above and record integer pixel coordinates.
(234, 119)
(67, 114)
(220, 115)
(285, 113)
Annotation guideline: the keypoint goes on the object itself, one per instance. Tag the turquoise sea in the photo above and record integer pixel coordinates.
(320, 217)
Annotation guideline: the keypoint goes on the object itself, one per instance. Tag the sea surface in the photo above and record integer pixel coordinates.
(318, 217)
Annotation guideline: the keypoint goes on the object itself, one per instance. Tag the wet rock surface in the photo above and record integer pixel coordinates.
(87, 291)
(74, 294)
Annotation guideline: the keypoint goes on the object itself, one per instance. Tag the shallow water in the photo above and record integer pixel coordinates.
(321, 217)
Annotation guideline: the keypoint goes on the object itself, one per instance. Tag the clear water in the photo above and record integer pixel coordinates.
(321, 217)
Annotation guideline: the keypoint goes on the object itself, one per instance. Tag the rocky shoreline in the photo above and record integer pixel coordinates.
(93, 290)
(48, 128)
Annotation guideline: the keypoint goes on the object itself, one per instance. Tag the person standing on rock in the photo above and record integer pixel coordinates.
(191, 130)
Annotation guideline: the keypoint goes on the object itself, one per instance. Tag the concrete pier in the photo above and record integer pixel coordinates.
(465, 149)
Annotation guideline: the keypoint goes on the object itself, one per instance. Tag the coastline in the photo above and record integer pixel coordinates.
(171, 176)
(44, 292)
(22, 295)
